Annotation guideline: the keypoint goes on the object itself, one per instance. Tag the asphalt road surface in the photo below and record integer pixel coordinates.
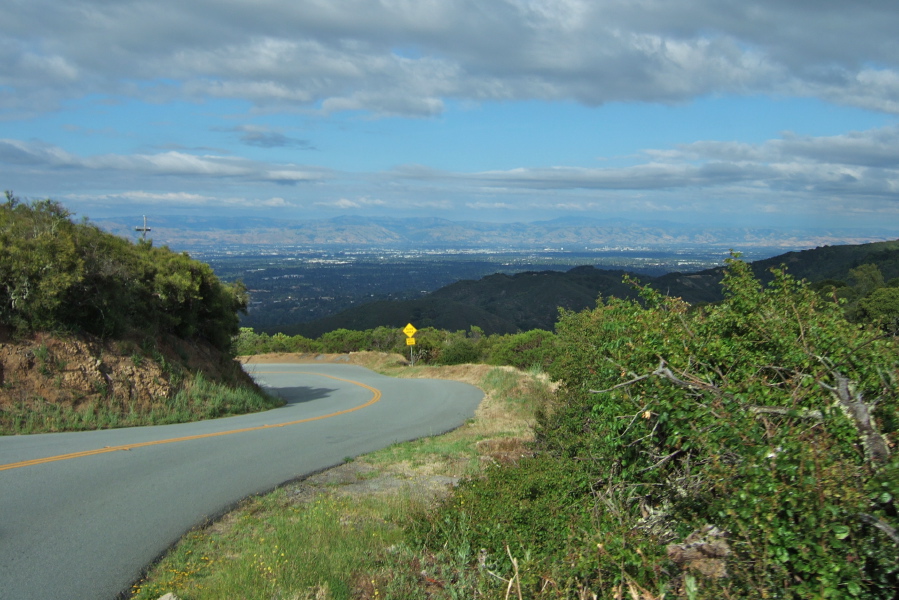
(82, 514)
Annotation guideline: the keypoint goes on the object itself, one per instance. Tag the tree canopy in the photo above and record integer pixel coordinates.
(56, 274)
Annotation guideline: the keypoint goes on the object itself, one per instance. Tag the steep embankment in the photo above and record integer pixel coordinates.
(52, 383)
(147, 331)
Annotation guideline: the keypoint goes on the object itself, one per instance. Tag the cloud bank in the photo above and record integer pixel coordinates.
(397, 57)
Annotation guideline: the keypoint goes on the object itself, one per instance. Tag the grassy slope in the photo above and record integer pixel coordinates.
(54, 383)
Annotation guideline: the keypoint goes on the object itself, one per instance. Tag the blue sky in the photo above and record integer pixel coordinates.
(766, 113)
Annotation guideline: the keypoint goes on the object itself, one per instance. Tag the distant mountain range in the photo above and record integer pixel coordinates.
(510, 303)
(191, 232)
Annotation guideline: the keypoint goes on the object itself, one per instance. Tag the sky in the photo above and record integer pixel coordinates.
(720, 112)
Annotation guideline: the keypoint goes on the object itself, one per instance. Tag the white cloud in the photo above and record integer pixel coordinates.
(176, 163)
(862, 164)
(180, 200)
(393, 57)
(345, 203)
(856, 172)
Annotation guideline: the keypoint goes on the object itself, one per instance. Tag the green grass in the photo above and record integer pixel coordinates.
(274, 548)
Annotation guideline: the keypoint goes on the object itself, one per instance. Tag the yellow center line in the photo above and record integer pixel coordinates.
(376, 395)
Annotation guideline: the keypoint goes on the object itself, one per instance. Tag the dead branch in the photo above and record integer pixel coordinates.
(693, 384)
(854, 407)
(663, 461)
(872, 520)
(621, 385)
(801, 413)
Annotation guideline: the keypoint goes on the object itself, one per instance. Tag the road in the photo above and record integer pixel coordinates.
(82, 514)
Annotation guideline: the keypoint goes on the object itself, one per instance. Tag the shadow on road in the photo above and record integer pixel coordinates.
(299, 395)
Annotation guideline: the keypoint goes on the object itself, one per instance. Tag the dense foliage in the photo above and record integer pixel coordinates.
(59, 275)
(433, 346)
(742, 450)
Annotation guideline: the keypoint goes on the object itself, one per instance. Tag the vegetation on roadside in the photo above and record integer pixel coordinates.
(98, 332)
(736, 450)
(739, 451)
(198, 399)
(432, 346)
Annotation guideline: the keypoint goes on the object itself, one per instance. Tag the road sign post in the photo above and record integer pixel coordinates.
(410, 330)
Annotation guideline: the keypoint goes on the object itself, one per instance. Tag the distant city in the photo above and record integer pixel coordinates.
(298, 285)
(298, 272)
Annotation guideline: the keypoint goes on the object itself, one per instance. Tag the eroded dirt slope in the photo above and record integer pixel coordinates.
(76, 370)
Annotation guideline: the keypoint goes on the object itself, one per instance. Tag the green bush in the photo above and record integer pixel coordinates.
(59, 275)
(345, 340)
(523, 350)
(768, 418)
(459, 351)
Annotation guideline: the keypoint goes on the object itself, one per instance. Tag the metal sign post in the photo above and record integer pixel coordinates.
(410, 330)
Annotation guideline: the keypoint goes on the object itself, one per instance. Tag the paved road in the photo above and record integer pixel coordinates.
(82, 514)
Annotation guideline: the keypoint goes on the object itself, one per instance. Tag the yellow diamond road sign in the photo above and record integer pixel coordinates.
(409, 330)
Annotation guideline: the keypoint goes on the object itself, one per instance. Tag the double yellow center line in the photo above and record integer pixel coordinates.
(376, 395)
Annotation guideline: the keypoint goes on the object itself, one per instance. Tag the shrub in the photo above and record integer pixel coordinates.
(59, 275)
(767, 418)
(459, 351)
(523, 350)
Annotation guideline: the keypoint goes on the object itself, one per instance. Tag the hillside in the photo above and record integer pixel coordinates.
(97, 332)
(508, 303)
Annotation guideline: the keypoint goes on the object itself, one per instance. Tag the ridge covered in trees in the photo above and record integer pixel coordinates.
(506, 304)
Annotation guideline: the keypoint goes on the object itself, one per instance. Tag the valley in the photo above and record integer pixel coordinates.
(298, 285)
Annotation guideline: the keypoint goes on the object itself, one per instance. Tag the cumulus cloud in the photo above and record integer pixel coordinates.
(394, 57)
(856, 164)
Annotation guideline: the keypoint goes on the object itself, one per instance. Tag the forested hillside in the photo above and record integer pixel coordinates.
(510, 303)
(92, 324)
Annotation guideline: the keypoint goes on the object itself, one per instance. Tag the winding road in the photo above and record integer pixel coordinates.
(82, 514)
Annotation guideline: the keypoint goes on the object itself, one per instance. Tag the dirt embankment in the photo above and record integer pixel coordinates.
(75, 370)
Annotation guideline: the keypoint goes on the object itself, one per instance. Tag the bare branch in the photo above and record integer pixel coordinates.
(621, 385)
(802, 413)
(662, 462)
(853, 406)
(872, 520)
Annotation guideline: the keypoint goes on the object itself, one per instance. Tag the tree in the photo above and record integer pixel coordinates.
(58, 275)
(866, 279)
(882, 306)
